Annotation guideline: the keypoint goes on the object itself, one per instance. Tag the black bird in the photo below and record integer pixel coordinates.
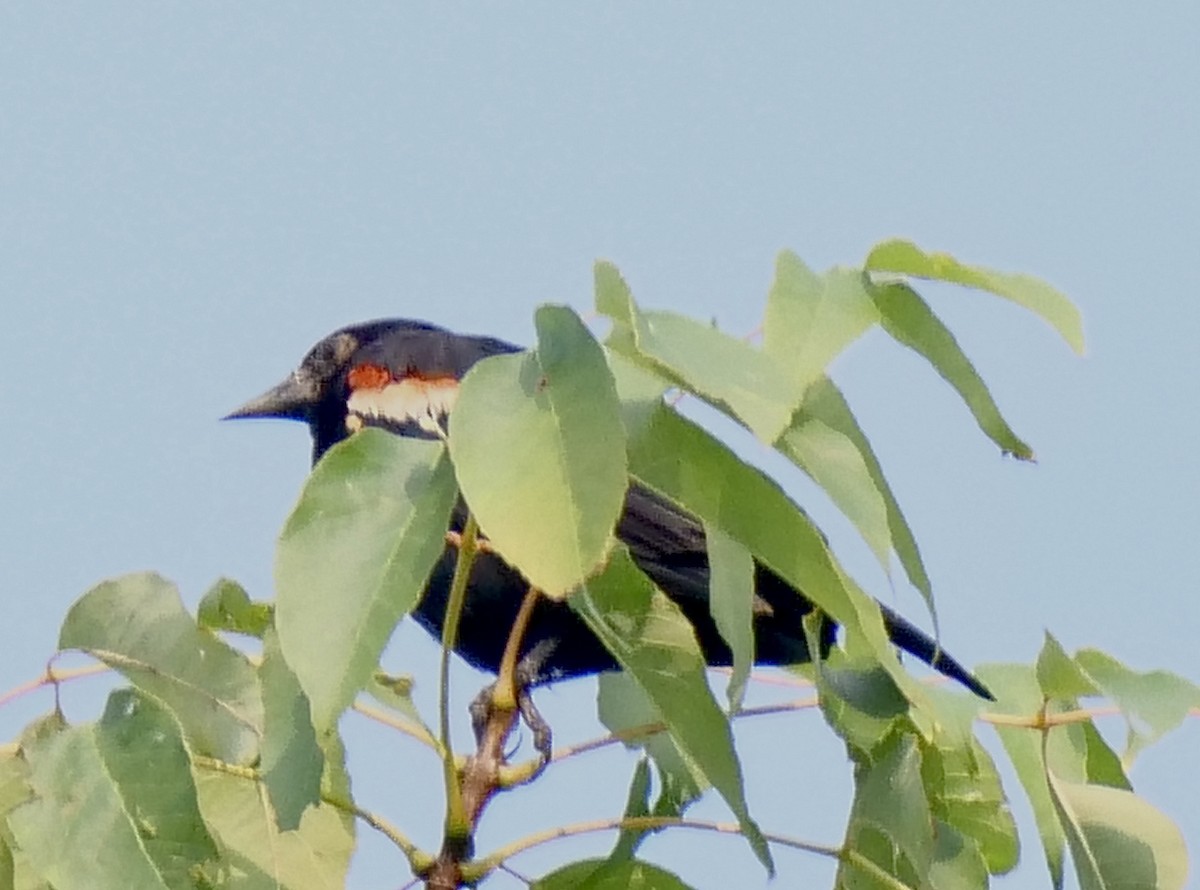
(395, 374)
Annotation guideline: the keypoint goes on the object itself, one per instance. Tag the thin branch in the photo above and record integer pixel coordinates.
(407, 727)
(509, 870)
(505, 693)
(1036, 721)
(52, 677)
(415, 856)
(649, 729)
(1043, 720)
(456, 822)
(638, 823)
(483, 774)
(499, 859)
(792, 681)
(482, 544)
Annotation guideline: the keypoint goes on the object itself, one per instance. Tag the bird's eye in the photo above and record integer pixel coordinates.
(328, 356)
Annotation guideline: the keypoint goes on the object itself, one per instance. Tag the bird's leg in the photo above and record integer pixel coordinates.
(480, 710)
(493, 699)
(543, 740)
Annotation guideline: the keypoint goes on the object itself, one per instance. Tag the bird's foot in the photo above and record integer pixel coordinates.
(542, 738)
(484, 707)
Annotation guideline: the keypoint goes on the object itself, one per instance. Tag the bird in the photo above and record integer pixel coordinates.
(398, 374)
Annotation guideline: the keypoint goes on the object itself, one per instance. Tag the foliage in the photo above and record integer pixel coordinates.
(213, 768)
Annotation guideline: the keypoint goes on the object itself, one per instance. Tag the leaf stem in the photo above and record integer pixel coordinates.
(407, 727)
(415, 856)
(861, 862)
(504, 695)
(456, 820)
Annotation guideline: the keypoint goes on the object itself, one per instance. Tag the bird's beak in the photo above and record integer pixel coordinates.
(292, 399)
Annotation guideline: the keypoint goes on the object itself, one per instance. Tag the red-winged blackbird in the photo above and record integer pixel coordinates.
(394, 373)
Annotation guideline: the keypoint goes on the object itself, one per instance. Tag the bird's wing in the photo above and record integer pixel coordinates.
(666, 543)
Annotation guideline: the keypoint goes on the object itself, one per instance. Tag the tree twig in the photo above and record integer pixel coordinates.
(456, 826)
(640, 823)
(52, 677)
(482, 775)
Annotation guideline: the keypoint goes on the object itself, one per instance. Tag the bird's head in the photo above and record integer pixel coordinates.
(397, 374)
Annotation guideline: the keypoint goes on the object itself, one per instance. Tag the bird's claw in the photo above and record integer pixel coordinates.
(542, 739)
(483, 706)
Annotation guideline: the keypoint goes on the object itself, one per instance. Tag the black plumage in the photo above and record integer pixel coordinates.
(394, 374)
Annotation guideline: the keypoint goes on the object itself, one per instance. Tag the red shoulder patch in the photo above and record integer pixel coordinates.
(368, 377)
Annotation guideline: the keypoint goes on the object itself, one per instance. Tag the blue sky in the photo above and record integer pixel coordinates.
(192, 195)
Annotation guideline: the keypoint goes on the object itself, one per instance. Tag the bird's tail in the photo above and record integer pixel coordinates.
(912, 639)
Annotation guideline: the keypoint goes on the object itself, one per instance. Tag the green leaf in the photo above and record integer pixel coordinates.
(1101, 765)
(539, 451)
(354, 558)
(395, 693)
(16, 872)
(1153, 703)
(227, 606)
(137, 625)
(833, 460)
(811, 318)
(1075, 750)
(652, 640)
(957, 860)
(1018, 694)
(637, 804)
(690, 467)
(14, 784)
(292, 761)
(612, 295)
(825, 407)
(906, 258)
(860, 702)
(7, 869)
(910, 321)
(316, 856)
(724, 371)
(1118, 841)
(1058, 675)
(393, 690)
(623, 706)
(890, 821)
(639, 388)
(42, 728)
(971, 800)
(964, 789)
(335, 781)
(602, 874)
(115, 804)
(731, 599)
(22, 876)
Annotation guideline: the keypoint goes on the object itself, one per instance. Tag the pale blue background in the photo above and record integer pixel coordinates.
(191, 195)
